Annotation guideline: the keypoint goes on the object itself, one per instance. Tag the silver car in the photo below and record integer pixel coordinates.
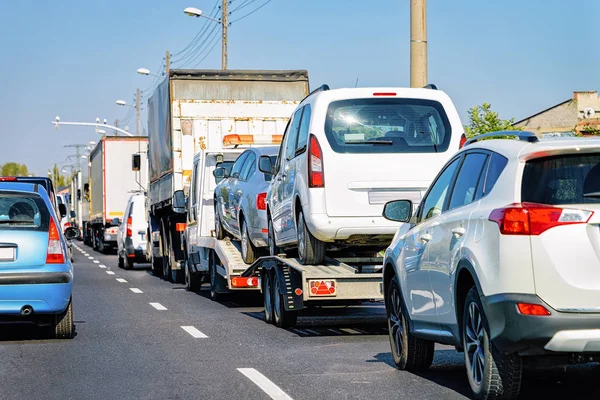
(240, 202)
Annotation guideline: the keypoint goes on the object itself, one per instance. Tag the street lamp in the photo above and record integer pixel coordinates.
(196, 13)
(145, 71)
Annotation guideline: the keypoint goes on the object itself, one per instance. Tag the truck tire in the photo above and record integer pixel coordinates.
(63, 323)
(193, 280)
(267, 290)
(311, 251)
(166, 257)
(282, 318)
(248, 249)
(121, 263)
(216, 280)
(156, 266)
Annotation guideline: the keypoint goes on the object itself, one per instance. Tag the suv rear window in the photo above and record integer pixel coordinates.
(566, 179)
(23, 211)
(387, 126)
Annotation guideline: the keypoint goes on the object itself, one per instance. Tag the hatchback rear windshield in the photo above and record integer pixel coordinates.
(23, 211)
(567, 179)
(387, 126)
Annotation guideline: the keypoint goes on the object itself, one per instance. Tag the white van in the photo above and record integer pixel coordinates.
(347, 152)
(131, 236)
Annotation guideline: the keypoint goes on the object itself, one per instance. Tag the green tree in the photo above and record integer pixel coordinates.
(483, 120)
(14, 169)
(57, 178)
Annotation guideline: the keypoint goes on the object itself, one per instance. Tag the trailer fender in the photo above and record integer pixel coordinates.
(290, 284)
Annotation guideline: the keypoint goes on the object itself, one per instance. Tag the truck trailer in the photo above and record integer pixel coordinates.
(111, 181)
(191, 112)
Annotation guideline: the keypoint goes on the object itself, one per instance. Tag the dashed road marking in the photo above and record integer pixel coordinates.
(158, 306)
(110, 272)
(265, 384)
(96, 262)
(350, 331)
(121, 280)
(336, 332)
(313, 332)
(196, 334)
(135, 290)
(90, 257)
(102, 266)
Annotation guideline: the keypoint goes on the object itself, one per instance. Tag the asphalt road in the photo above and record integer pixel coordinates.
(139, 337)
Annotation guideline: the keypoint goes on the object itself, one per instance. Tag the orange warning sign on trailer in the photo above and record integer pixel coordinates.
(322, 287)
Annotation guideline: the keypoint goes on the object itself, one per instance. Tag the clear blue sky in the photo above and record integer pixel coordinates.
(74, 58)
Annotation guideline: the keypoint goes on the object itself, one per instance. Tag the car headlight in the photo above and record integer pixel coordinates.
(107, 236)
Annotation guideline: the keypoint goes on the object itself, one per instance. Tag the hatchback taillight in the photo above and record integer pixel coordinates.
(535, 219)
(55, 254)
(463, 140)
(261, 201)
(316, 176)
(129, 227)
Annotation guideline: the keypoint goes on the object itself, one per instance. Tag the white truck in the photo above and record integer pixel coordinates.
(287, 285)
(112, 178)
(190, 113)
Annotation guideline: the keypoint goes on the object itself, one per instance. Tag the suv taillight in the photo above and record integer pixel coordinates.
(535, 219)
(463, 140)
(129, 226)
(261, 201)
(55, 253)
(316, 176)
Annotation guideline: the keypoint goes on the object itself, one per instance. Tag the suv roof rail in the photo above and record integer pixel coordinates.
(430, 86)
(525, 136)
(321, 88)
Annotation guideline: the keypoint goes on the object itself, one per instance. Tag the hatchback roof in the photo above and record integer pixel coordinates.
(20, 187)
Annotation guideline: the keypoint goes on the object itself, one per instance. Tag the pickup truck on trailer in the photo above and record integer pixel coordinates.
(111, 180)
(190, 114)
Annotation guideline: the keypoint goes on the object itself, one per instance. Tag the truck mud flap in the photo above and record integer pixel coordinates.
(290, 282)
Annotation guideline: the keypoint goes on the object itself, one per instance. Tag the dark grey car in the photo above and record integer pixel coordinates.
(240, 208)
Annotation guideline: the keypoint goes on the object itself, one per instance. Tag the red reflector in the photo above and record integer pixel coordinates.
(180, 227)
(7, 178)
(241, 282)
(384, 94)
(264, 230)
(298, 292)
(261, 201)
(463, 140)
(535, 219)
(67, 224)
(532, 309)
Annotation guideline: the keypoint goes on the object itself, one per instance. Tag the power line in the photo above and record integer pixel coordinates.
(209, 51)
(198, 34)
(199, 38)
(200, 50)
(245, 3)
(252, 12)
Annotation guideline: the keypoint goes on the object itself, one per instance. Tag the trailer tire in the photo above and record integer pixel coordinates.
(215, 279)
(193, 280)
(267, 289)
(282, 318)
(166, 254)
(311, 251)
(248, 249)
(121, 263)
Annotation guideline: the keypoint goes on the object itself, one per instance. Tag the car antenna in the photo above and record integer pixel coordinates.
(356, 84)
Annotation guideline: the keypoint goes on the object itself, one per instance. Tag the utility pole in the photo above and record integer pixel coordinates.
(224, 23)
(137, 112)
(77, 152)
(418, 43)
(167, 64)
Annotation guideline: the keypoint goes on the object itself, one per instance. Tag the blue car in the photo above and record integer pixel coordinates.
(36, 275)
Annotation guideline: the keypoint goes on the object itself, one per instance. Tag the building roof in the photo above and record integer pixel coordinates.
(543, 111)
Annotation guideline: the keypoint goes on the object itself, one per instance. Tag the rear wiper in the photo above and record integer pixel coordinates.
(592, 194)
(388, 142)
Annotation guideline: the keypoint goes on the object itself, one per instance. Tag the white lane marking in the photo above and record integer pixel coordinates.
(158, 306)
(350, 331)
(265, 384)
(90, 257)
(311, 331)
(96, 262)
(121, 280)
(336, 332)
(102, 266)
(110, 272)
(135, 290)
(196, 334)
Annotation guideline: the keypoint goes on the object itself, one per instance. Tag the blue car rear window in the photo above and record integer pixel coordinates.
(23, 211)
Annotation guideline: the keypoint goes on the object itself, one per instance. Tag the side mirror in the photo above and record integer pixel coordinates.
(73, 215)
(72, 233)
(62, 209)
(398, 210)
(265, 165)
(179, 202)
(135, 162)
(220, 173)
(116, 221)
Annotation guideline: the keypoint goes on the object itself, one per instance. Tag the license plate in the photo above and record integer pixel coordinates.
(322, 287)
(7, 254)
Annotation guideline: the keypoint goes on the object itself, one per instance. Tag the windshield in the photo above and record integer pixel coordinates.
(565, 179)
(387, 126)
(19, 211)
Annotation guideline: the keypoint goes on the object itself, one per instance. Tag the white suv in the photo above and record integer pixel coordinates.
(345, 153)
(501, 260)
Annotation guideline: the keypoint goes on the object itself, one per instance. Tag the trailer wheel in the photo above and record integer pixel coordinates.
(121, 263)
(215, 278)
(311, 251)
(281, 317)
(166, 256)
(193, 281)
(267, 289)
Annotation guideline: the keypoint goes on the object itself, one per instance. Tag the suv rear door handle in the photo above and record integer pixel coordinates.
(458, 231)
(425, 238)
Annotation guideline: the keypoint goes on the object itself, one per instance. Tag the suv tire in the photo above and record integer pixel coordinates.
(409, 353)
(311, 251)
(491, 374)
